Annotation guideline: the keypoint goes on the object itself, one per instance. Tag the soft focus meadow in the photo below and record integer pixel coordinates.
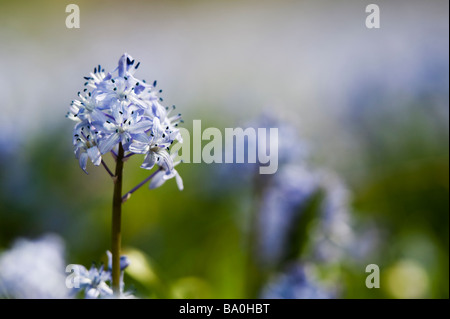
(363, 176)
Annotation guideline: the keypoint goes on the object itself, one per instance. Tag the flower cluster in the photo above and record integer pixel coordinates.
(118, 110)
(94, 282)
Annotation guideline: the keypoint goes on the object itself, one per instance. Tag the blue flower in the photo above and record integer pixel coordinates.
(116, 107)
(165, 174)
(95, 282)
(85, 142)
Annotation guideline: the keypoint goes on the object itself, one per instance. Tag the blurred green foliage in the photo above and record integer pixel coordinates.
(193, 244)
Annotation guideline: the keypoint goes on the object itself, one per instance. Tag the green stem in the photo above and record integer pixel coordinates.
(116, 222)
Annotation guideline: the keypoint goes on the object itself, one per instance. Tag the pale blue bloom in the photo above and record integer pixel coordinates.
(85, 142)
(156, 147)
(95, 282)
(116, 107)
(125, 125)
(34, 269)
(163, 175)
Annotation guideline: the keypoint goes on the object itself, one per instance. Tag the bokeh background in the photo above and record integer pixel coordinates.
(364, 133)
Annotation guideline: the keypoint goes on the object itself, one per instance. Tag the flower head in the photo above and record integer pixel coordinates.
(95, 282)
(117, 108)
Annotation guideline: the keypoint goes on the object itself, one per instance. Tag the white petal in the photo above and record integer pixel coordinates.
(104, 290)
(92, 293)
(157, 129)
(94, 155)
(179, 181)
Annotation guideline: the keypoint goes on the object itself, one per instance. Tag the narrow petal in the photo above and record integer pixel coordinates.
(98, 116)
(165, 160)
(156, 129)
(104, 290)
(108, 144)
(94, 155)
(141, 137)
(179, 181)
(149, 161)
(138, 148)
(122, 65)
(140, 127)
(157, 180)
(124, 262)
(109, 254)
(92, 293)
(83, 161)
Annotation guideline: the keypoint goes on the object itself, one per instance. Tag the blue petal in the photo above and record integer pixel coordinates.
(140, 127)
(141, 138)
(124, 262)
(108, 144)
(149, 161)
(157, 180)
(98, 116)
(138, 148)
(122, 65)
(165, 161)
(138, 89)
(83, 161)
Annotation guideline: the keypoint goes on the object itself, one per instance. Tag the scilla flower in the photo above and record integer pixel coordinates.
(118, 108)
(86, 145)
(95, 281)
(120, 114)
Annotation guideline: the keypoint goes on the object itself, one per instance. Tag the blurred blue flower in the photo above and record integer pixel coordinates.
(333, 238)
(295, 284)
(34, 269)
(283, 202)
